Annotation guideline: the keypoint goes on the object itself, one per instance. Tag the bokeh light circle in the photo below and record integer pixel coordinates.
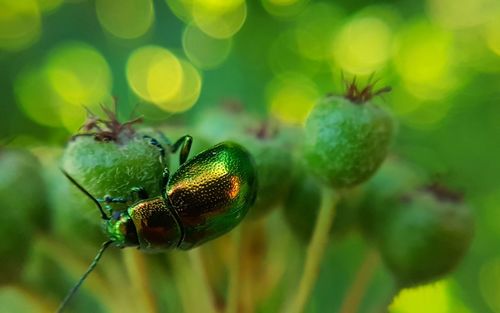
(363, 45)
(126, 19)
(36, 97)
(284, 8)
(189, 91)
(432, 298)
(451, 14)
(423, 58)
(315, 29)
(20, 24)
(78, 73)
(492, 34)
(154, 74)
(204, 51)
(291, 96)
(219, 19)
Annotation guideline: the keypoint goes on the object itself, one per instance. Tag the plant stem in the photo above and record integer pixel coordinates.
(360, 283)
(139, 280)
(315, 251)
(233, 294)
(203, 288)
(193, 289)
(74, 266)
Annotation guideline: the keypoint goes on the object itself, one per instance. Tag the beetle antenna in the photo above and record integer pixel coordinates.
(92, 265)
(74, 182)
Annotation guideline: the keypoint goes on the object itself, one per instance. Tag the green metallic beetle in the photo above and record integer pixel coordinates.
(204, 199)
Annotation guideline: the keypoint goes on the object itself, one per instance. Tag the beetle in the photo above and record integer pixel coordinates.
(205, 198)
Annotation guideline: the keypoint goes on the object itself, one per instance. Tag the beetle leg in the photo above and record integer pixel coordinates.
(157, 145)
(185, 144)
(109, 199)
(138, 193)
(164, 181)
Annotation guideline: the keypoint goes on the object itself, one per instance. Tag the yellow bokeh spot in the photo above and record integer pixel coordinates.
(154, 74)
(424, 60)
(41, 103)
(204, 51)
(433, 298)
(188, 93)
(49, 5)
(125, 18)
(454, 14)
(416, 112)
(489, 282)
(291, 97)
(492, 34)
(363, 46)
(217, 6)
(219, 19)
(78, 73)
(315, 28)
(181, 8)
(36, 97)
(284, 8)
(20, 24)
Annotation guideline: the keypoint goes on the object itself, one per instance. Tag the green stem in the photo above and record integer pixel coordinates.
(139, 280)
(203, 290)
(191, 282)
(233, 294)
(315, 251)
(358, 287)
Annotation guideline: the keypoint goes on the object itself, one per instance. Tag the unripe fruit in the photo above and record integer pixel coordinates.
(347, 138)
(114, 159)
(271, 146)
(24, 209)
(273, 156)
(426, 236)
(223, 122)
(384, 190)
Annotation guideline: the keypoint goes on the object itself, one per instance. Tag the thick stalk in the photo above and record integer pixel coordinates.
(358, 288)
(139, 280)
(315, 251)
(233, 294)
(203, 290)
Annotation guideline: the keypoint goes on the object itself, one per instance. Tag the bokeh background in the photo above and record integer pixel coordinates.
(165, 59)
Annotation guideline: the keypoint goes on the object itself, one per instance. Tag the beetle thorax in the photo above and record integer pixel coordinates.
(121, 230)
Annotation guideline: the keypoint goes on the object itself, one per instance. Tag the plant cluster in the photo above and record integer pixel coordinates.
(329, 179)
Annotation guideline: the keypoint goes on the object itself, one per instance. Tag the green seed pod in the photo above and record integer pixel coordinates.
(303, 203)
(274, 162)
(393, 180)
(271, 147)
(73, 215)
(426, 236)
(347, 138)
(115, 159)
(224, 122)
(24, 210)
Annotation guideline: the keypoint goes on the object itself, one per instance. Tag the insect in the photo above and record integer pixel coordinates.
(206, 197)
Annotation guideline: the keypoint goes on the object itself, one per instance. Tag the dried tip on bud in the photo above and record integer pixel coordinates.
(265, 130)
(443, 193)
(358, 95)
(233, 106)
(109, 129)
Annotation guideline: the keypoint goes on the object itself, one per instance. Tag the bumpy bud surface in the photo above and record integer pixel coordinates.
(426, 236)
(347, 138)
